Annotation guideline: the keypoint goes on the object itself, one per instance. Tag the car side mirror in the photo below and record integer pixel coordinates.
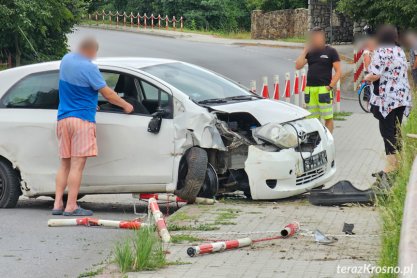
(156, 121)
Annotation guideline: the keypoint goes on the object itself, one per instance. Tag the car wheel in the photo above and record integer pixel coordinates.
(211, 183)
(9, 185)
(192, 174)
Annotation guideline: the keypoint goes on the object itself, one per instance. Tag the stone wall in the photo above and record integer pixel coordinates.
(319, 15)
(296, 23)
(279, 24)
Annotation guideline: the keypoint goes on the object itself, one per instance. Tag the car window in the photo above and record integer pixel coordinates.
(199, 84)
(150, 93)
(36, 91)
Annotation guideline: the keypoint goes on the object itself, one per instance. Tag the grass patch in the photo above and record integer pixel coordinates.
(178, 262)
(201, 227)
(391, 207)
(91, 273)
(294, 39)
(184, 238)
(181, 216)
(341, 116)
(143, 251)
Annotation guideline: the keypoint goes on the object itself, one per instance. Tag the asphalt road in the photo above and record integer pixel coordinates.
(28, 248)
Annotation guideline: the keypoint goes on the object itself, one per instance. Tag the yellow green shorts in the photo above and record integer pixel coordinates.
(319, 102)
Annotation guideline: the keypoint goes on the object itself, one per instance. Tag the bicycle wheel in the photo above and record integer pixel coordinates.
(364, 98)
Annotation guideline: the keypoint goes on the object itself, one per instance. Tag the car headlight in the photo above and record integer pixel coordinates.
(282, 136)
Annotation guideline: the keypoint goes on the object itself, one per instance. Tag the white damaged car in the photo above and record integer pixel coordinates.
(193, 132)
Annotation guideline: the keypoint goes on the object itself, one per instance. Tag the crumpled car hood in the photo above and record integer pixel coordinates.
(265, 110)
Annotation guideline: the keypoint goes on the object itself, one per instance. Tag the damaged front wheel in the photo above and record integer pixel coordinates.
(192, 174)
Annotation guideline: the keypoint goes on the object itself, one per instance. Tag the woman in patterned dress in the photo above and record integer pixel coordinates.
(393, 98)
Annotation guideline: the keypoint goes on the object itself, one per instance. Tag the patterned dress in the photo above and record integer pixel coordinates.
(390, 63)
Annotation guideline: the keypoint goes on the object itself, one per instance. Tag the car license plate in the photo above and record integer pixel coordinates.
(315, 161)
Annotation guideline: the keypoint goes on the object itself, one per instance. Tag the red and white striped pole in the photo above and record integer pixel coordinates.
(159, 220)
(145, 23)
(159, 21)
(174, 23)
(152, 18)
(138, 20)
(117, 19)
(173, 198)
(253, 86)
(96, 18)
(87, 221)
(276, 87)
(182, 23)
(104, 16)
(166, 22)
(131, 20)
(338, 96)
(296, 90)
(218, 246)
(303, 86)
(287, 91)
(124, 19)
(290, 230)
(265, 90)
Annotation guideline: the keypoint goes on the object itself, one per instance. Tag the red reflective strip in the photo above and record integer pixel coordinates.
(161, 224)
(148, 196)
(85, 221)
(232, 244)
(206, 248)
(135, 225)
(338, 96)
(154, 206)
(287, 89)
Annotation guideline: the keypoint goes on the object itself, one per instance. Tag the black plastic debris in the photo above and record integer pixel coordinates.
(348, 229)
(341, 193)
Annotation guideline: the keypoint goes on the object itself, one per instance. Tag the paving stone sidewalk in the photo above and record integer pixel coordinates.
(359, 153)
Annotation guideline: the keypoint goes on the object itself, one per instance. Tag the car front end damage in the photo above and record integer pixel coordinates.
(273, 160)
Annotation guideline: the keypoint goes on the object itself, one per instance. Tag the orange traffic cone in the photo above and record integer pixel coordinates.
(276, 87)
(265, 91)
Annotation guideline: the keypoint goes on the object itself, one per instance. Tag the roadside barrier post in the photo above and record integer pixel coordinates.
(96, 18)
(182, 23)
(159, 21)
(131, 20)
(159, 220)
(166, 22)
(138, 20)
(276, 87)
(124, 19)
(174, 22)
(218, 246)
(303, 86)
(145, 23)
(338, 96)
(265, 90)
(117, 19)
(104, 16)
(152, 18)
(287, 91)
(296, 91)
(253, 86)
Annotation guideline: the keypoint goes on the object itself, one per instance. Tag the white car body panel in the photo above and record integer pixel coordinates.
(132, 160)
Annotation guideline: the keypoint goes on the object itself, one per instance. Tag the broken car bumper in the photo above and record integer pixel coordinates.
(281, 174)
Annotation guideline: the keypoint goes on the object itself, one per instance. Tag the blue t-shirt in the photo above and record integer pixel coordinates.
(79, 82)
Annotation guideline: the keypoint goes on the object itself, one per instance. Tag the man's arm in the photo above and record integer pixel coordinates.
(114, 99)
(337, 75)
(301, 60)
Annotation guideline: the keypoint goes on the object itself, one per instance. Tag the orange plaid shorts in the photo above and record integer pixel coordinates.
(76, 138)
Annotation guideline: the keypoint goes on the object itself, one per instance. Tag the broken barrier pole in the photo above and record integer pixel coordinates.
(159, 220)
(218, 246)
(88, 221)
(173, 198)
(288, 231)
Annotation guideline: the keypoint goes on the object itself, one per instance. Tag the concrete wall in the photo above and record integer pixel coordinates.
(279, 24)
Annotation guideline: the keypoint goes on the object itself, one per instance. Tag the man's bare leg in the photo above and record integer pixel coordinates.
(74, 182)
(61, 182)
(329, 124)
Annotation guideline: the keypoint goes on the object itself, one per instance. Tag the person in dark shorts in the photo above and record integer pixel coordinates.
(321, 60)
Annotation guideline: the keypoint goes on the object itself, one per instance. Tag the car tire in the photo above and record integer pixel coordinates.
(194, 170)
(9, 185)
(210, 186)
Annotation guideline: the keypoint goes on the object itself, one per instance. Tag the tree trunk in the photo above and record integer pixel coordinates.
(17, 49)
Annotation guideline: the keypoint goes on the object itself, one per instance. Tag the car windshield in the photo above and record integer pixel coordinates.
(199, 84)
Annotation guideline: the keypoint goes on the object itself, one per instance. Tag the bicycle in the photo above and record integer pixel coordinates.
(364, 96)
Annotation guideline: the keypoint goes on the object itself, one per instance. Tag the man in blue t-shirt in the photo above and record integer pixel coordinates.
(80, 81)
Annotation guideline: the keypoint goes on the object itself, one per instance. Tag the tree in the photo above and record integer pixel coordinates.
(402, 13)
(35, 30)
